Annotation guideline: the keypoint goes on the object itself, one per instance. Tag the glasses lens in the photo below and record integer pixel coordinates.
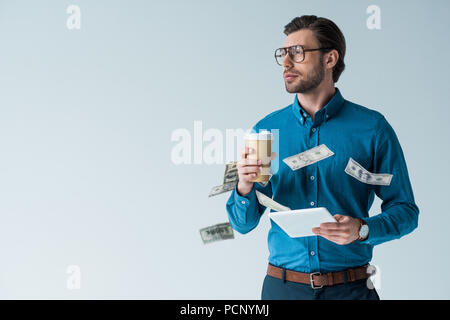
(279, 56)
(297, 53)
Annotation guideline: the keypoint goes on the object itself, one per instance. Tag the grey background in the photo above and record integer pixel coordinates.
(86, 118)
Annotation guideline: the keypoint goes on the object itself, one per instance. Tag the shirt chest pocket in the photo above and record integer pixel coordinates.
(348, 167)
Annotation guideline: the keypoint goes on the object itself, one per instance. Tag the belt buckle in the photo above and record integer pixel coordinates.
(312, 280)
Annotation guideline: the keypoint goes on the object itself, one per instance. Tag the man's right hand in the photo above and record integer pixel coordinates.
(247, 170)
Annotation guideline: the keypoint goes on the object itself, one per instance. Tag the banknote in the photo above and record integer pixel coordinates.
(222, 188)
(221, 231)
(231, 172)
(270, 203)
(358, 172)
(230, 179)
(308, 157)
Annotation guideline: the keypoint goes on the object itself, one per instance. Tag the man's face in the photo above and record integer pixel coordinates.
(310, 72)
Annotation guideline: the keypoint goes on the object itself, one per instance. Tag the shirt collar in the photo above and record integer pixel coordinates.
(324, 114)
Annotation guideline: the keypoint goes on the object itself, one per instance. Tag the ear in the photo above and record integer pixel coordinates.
(331, 58)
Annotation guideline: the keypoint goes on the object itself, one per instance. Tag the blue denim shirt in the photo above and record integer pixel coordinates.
(349, 130)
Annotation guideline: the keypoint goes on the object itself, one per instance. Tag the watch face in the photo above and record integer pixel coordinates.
(364, 231)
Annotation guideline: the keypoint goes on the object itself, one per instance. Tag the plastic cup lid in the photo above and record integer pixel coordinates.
(263, 135)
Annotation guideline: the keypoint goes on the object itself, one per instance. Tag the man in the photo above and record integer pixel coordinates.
(333, 264)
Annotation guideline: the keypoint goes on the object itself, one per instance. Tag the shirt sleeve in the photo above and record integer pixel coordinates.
(399, 214)
(244, 212)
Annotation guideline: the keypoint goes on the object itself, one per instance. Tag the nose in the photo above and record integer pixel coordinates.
(287, 62)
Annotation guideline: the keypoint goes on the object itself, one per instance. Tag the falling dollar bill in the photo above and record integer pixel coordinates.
(222, 188)
(221, 231)
(231, 173)
(269, 203)
(358, 172)
(308, 157)
(230, 179)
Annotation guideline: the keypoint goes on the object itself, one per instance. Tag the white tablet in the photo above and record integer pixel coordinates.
(298, 223)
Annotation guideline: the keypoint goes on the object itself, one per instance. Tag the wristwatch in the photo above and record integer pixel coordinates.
(363, 230)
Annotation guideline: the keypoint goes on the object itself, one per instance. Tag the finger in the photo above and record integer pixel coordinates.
(337, 240)
(250, 169)
(332, 226)
(247, 177)
(329, 233)
(339, 217)
(332, 238)
(250, 162)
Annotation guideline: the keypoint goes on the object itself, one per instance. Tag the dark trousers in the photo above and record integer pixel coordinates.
(277, 289)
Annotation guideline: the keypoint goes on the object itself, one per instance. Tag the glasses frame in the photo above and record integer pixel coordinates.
(289, 49)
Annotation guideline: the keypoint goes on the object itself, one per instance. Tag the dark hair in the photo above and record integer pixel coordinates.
(327, 34)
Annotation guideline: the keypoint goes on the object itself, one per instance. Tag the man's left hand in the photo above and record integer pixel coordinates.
(344, 231)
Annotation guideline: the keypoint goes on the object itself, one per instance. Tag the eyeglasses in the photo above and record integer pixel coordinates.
(296, 53)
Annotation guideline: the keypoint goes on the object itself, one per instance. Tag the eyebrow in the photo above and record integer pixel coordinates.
(298, 44)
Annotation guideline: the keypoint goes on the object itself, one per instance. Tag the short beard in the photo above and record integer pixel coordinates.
(311, 82)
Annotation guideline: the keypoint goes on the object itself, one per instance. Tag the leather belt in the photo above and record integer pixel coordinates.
(318, 280)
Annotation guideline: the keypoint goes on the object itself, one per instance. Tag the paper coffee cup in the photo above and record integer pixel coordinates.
(261, 143)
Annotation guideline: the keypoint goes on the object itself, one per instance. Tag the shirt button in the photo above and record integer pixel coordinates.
(313, 129)
(312, 177)
(243, 202)
(312, 203)
(312, 253)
